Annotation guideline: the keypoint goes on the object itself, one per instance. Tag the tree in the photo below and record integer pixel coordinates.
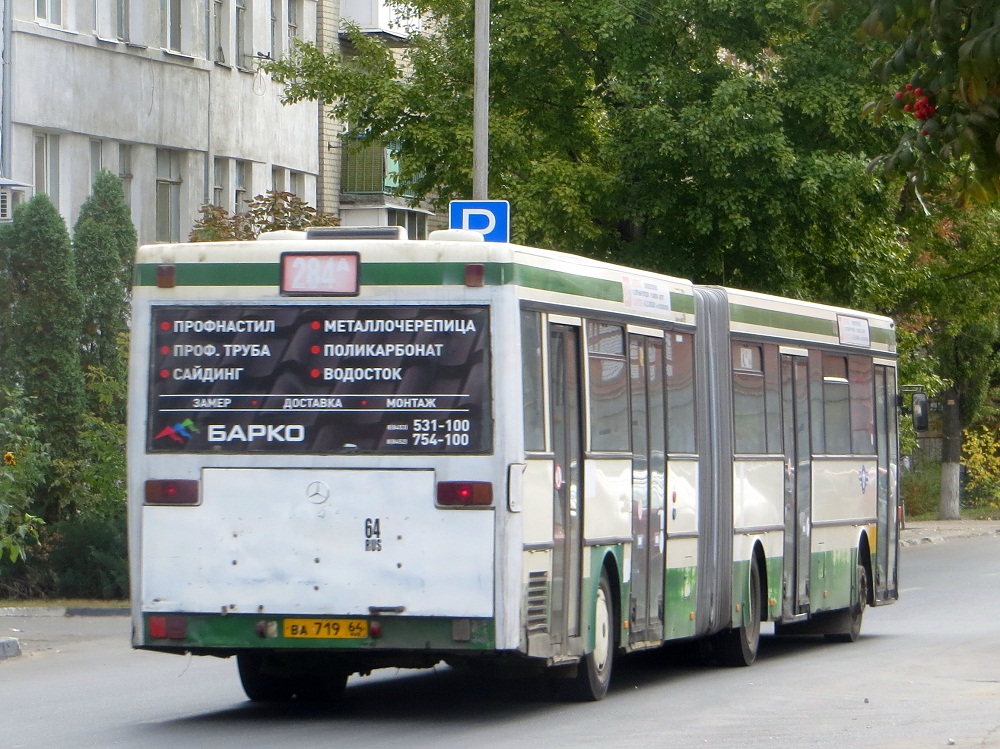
(948, 314)
(271, 211)
(946, 61)
(24, 462)
(104, 243)
(717, 141)
(42, 351)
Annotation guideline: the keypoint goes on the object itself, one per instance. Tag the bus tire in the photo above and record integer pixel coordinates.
(259, 685)
(856, 613)
(738, 646)
(594, 672)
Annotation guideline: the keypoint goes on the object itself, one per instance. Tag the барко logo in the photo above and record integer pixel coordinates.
(180, 432)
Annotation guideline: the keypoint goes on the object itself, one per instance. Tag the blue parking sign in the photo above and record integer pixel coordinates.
(491, 218)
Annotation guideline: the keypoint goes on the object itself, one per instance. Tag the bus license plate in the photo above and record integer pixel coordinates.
(326, 629)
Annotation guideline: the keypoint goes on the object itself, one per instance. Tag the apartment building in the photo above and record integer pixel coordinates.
(165, 93)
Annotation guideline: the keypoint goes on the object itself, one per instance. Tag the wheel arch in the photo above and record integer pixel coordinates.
(609, 564)
(758, 557)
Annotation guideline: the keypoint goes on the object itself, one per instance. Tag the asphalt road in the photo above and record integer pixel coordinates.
(926, 673)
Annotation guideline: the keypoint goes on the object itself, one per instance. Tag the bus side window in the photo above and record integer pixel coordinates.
(836, 405)
(679, 360)
(748, 398)
(609, 417)
(533, 385)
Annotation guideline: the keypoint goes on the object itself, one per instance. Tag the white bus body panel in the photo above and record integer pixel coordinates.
(301, 542)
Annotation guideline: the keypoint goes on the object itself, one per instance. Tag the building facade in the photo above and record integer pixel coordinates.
(165, 93)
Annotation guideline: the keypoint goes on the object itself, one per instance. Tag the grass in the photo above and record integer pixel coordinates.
(61, 603)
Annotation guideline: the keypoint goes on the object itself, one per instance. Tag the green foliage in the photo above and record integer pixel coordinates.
(920, 489)
(268, 212)
(104, 243)
(944, 70)
(24, 460)
(93, 480)
(87, 558)
(42, 350)
(717, 141)
(981, 458)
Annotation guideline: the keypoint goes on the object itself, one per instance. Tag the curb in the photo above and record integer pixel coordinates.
(54, 611)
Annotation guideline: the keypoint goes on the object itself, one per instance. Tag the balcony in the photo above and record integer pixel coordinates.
(369, 167)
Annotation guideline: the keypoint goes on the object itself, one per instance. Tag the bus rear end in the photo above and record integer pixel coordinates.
(312, 467)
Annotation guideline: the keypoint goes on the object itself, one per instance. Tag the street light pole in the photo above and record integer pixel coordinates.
(481, 102)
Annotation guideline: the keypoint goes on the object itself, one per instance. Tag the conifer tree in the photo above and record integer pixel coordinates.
(104, 242)
(42, 349)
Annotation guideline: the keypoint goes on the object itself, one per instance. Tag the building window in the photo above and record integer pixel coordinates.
(96, 159)
(125, 171)
(49, 10)
(168, 195)
(241, 185)
(297, 184)
(122, 16)
(294, 20)
(47, 165)
(219, 30)
(220, 180)
(275, 27)
(243, 38)
(277, 179)
(170, 24)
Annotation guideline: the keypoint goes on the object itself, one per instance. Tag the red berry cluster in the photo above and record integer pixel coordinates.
(916, 102)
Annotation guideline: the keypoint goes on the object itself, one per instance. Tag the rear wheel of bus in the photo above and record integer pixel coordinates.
(267, 679)
(738, 646)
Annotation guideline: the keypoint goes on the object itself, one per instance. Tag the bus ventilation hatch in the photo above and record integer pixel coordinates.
(538, 598)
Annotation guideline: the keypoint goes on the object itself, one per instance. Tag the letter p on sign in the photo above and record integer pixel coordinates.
(491, 218)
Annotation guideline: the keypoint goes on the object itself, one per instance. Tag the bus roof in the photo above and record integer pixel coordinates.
(546, 276)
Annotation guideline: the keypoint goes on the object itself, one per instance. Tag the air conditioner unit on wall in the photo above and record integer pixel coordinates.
(6, 204)
(11, 193)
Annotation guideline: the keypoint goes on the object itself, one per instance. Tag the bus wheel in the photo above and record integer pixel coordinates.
(259, 685)
(738, 646)
(857, 611)
(594, 673)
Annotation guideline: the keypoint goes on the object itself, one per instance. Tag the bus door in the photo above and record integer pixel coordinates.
(887, 537)
(798, 504)
(565, 389)
(648, 487)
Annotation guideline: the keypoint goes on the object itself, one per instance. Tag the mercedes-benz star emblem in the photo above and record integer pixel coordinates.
(317, 492)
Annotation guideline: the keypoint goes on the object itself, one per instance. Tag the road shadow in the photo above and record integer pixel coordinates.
(447, 697)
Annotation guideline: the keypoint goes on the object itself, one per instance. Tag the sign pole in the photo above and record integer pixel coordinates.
(481, 102)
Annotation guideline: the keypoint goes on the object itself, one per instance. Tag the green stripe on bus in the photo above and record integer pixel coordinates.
(771, 318)
(226, 633)
(791, 321)
(395, 274)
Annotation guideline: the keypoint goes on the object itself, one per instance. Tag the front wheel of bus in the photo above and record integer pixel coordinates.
(594, 674)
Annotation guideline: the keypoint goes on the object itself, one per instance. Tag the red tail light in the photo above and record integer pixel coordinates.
(168, 627)
(464, 493)
(171, 492)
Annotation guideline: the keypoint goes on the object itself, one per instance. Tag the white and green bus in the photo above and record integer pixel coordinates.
(350, 451)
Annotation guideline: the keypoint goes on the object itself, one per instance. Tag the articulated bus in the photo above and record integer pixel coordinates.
(350, 451)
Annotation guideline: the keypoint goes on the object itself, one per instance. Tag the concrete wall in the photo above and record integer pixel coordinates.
(76, 81)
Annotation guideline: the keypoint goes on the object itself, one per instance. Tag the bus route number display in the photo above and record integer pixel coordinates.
(326, 379)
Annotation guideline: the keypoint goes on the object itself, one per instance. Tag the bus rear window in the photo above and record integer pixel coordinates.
(320, 379)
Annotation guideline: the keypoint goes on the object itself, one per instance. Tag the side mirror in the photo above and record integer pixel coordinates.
(920, 412)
